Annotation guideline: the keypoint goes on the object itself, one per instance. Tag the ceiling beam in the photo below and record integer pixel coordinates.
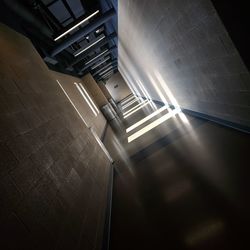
(104, 67)
(97, 58)
(100, 71)
(83, 32)
(96, 46)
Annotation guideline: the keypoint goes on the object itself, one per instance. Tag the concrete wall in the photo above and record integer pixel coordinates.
(53, 174)
(104, 90)
(94, 89)
(68, 82)
(121, 91)
(182, 44)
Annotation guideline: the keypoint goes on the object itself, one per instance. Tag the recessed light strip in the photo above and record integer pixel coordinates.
(103, 72)
(97, 41)
(86, 99)
(96, 57)
(152, 125)
(73, 104)
(75, 26)
(100, 63)
(132, 112)
(110, 71)
(90, 99)
(134, 107)
(127, 99)
(128, 104)
(108, 74)
(147, 118)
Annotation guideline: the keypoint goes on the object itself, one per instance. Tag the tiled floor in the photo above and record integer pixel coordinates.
(182, 185)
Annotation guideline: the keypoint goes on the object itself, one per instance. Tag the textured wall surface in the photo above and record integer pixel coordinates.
(53, 174)
(183, 45)
(104, 90)
(94, 89)
(121, 91)
(68, 82)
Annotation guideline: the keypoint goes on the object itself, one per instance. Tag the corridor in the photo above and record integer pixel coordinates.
(124, 125)
(182, 185)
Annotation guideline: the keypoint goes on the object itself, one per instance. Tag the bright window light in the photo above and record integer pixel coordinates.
(147, 118)
(146, 94)
(75, 26)
(143, 90)
(129, 104)
(73, 104)
(162, 97)
(170, 96)
(100, 63)
(90, 99)
(92, 44)
(152, 125)
(183, 118)
(96, 57)
(134, 107)
(86, 99)
(166, 89)
(132, 112)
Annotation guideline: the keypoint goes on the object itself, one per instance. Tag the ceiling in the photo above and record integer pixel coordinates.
(72, 36)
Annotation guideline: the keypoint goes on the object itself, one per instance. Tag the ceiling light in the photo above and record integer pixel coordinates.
(99, 71)
(100, 63)
(75, 26)
(106, 70)
(86, 48)
(96, 57)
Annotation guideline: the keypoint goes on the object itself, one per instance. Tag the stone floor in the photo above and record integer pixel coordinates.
(182, 185)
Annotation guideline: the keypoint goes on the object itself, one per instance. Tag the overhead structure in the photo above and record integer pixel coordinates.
(73, 37)
(83, 32)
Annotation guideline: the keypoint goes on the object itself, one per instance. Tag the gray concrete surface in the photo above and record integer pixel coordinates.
(185, 45)
(53, 173)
